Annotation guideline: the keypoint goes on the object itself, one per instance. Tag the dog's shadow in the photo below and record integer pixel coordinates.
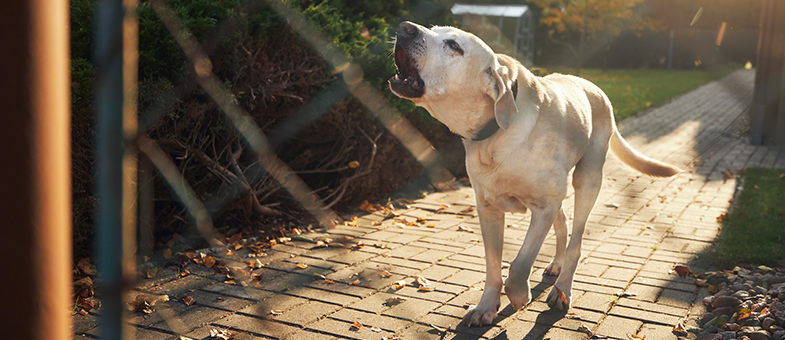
(544, 321)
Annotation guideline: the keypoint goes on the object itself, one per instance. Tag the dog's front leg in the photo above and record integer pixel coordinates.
(492, 226)
(517, 285)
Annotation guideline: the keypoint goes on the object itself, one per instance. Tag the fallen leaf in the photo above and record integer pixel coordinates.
(573, 316)
(376, 329)
(612, 205)
(385, 274)
(712, 289)
(230, 282)
(421, 281)
(328, 281)
(396, 299)
(683, 271)
(276, 312)
(302, 265)
(584, 329)
(209, 262)
(320, 276)
(462, 228)
(222, 334)
(220, 299)
(439, 329)
(637, 337)
(82, 312)
(357, 325)
(399, 284)
(376, 223)
(432, 225)
(86, 304)
(425, 289)
(257, 277)
(189, 300)
(355, 282)
(168, 253)
(679, 328)
(354, 164)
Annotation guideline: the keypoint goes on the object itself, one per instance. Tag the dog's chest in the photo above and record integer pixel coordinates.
(511, 181)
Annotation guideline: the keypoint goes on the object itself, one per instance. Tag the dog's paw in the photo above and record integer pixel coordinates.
(559, 299)
(482, 315)
(517, 292)
(554, 268)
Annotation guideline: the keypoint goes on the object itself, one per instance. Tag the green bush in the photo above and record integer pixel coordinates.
(271, 73)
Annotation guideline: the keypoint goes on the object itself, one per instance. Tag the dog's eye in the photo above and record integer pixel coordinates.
(454, 46)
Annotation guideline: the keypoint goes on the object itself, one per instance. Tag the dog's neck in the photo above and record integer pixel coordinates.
(492, 126)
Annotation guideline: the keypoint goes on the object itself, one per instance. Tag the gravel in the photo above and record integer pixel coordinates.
(747, 304)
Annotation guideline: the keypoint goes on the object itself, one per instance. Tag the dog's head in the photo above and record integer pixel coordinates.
(454, 75)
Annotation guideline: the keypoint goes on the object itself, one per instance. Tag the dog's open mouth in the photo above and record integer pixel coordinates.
(408, 82)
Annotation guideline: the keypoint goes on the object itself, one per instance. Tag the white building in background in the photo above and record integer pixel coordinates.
(522, 39)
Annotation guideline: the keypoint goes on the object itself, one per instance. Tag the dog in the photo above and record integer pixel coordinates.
(523, 135)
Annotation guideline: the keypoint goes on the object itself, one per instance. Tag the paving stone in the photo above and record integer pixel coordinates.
(383, 322)
(240, 292)
(256, 326)
(465, 278)
(345, 329)
(411, 309)
(432, 256)
(438, 273)
(306, 313)
(657, 332)
(518, 329)
(644, 292)
(621, 274)
(396, 262)
(645, 315)
(322, 295)
(594, 302)
(618, 327)
(676, 298)
(309, 335)
(275, 302)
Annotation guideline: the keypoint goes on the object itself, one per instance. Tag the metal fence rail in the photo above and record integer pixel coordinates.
(120, 137)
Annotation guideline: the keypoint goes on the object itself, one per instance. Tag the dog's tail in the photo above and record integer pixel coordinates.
(637, 160)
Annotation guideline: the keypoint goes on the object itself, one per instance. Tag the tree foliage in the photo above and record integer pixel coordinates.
(576, 23)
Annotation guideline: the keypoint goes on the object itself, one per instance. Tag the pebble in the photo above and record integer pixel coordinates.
(741, 291)
(728, 335)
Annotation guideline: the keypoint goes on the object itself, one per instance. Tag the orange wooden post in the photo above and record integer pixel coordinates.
(35, 186)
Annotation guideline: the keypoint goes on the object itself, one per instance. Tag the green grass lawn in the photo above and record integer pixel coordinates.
(754, 232)
(634, 90)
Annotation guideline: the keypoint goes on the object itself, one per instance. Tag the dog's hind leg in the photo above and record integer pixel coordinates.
(492, 226)
(560, 228)
(517, 285)
(587, 181)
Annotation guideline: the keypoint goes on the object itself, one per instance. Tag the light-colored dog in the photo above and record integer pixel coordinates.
(523, 134)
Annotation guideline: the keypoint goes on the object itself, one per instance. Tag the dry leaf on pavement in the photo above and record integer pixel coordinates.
(189, 300)
(683, 271)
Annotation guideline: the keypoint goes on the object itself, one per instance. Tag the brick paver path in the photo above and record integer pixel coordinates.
(640, 228)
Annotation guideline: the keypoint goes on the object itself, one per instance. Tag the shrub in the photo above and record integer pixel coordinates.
(273, 74)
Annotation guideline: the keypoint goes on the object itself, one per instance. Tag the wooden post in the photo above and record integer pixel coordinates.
(767, 116)
(35, 176)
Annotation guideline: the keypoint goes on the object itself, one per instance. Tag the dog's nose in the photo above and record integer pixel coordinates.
(407, 30)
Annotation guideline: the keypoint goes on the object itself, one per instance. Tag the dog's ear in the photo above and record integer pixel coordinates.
(500, 90)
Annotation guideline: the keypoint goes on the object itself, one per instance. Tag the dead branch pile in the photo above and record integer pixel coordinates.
(345, 156)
